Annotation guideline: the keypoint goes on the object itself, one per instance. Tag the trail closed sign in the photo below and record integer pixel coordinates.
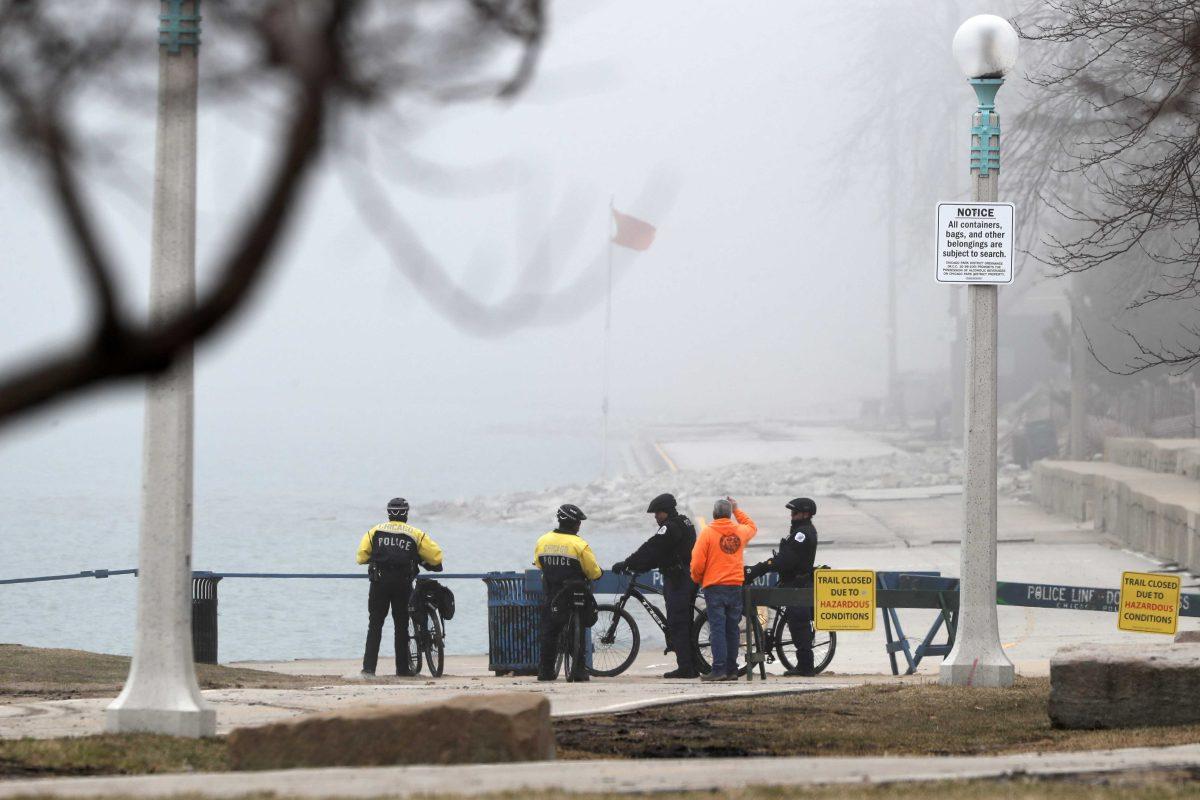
(844, 600)
(975, 243)
(1149, 602)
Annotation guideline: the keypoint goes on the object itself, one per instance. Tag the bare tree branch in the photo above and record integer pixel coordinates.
(333, 55)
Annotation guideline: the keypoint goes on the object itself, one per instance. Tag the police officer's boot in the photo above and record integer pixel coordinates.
(546, 670)
(804, 667)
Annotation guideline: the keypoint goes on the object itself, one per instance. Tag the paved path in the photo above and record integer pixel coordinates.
(606, 776)
(467, 675)
(922, 533)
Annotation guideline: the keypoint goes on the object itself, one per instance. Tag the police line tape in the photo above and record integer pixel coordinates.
(1029, 595)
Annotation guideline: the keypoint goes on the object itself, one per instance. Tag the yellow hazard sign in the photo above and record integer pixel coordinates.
(844, 599)
(1149, 602)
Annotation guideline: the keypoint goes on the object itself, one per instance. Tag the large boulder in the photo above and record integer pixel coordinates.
(1125, 686)
(468, 729)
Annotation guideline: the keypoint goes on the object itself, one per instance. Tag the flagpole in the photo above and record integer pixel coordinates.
(607, 345)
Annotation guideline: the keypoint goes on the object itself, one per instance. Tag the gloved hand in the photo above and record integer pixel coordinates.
(620, 568)
(758, 570)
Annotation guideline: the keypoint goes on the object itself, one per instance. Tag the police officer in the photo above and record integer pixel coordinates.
(794, 562)
(670, 551)
(393, 552)
(562, 555)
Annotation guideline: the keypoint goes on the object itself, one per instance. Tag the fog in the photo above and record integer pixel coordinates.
(755, 138)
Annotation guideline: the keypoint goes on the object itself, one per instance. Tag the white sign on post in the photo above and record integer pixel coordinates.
(975, 242)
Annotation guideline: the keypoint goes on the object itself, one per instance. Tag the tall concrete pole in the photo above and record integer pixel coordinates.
(895, 394)
(607, 345)
(161, 694)
(977, 658)
(1079, 357)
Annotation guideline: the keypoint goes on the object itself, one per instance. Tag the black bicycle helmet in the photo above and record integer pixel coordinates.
(803, 504)
(569, 512)
(397, 507)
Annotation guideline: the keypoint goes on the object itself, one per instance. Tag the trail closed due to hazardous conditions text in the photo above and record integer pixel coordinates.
(975, 242)
(844, 599)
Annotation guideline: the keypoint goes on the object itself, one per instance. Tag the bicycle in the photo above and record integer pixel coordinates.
(619, 640)
(777, 643)
(571, 658)
(426, 628)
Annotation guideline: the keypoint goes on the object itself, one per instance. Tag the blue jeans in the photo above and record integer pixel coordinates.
(724, 605)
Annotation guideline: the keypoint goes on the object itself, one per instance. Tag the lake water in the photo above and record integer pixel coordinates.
(69, 502)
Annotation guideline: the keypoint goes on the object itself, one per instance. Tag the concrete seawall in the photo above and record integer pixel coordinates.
(1153, 511)
(1168, 456)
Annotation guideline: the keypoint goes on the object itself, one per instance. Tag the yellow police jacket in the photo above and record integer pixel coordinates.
(427, 549)
(563, 556)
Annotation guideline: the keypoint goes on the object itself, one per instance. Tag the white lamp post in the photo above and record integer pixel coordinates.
(986, 49)
(161, 694)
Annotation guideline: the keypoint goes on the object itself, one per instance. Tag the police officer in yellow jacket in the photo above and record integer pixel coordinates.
(562, 555)
(393, 551)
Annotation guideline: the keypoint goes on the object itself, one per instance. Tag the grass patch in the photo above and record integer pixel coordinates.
(110, 754)
(880, 719)
(56, 674)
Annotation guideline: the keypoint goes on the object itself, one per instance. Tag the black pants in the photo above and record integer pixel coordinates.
(679, 594)
(799, 623)
(390, 591)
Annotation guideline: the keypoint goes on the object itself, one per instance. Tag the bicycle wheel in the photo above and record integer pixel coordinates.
(702, 645)
(415, 637)
(615, 642)
(562, 664)
(567, 652)
(823, 645)
(435, 642)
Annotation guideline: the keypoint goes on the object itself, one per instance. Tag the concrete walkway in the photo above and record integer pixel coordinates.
(629, 777)
(466, 675)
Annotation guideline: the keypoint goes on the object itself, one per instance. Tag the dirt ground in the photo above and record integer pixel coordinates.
(882, 719)
(867, 720)
(38, 673)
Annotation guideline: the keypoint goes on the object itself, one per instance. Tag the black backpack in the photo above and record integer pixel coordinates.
(564, 601)
(439, 595)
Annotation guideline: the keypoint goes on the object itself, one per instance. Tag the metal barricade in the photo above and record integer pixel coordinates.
(204, 618)
(897, 642)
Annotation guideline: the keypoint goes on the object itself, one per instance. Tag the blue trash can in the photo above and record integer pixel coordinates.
(514, 622)
(514, 613)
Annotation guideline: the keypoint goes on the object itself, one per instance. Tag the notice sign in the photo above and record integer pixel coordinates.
(844, 600)
(1149, 602)
(975, 242)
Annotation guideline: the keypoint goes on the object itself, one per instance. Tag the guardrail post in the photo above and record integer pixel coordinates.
(204, 618)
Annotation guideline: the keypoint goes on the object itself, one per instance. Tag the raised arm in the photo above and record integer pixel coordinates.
(746, 526)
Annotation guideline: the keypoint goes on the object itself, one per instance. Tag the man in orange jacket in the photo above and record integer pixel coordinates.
(719, 567)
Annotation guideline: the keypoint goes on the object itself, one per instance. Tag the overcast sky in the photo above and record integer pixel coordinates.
(764, 292)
